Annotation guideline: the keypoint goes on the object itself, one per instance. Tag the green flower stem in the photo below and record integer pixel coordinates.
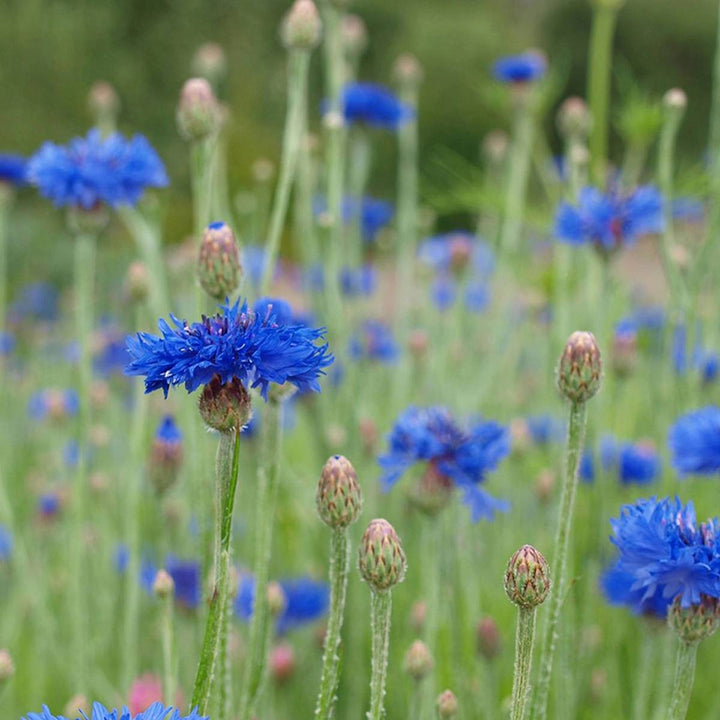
(168, 648)
(85, 250)
(268, 477)
(714, 139)
(380, 612)
(298, 67)
(575, 442)
(684, 678)
(201, 175)
(524, 640)
(216, 625)
(518, 171)
(5, 200)
(305, 234)
(599, 67)
(647, 670)
(431, 538)
(131, 516)
(358, 173)
(339, 566)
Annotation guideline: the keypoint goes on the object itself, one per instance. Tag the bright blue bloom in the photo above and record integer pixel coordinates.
(522, 68)
(587, 466)
(455, 250)
(618, 585)
(374, 215)
(53, 403)
(235, 343)
(360, 281)
(94, 170)
(633, 462)
(694, 442)
(37, 301)
(545, 429)
(374, 105)
(12, 169)
(609, 221)
(168, 431)
(6, 543)
(463, 455)
(157, 711)
(665, 554)
(306, 600)
(374, 341)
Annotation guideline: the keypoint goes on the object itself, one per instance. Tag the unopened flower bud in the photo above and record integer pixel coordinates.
(544, 485)
(88, 221)
(418, 660)
(675, 103)
(368, 434)
(354, 35)
(696, 622)
(573, 119)
(301, 27)
(488, 638)
(527, 579)
(338, 497)
(163, 585)
(225, 407)
(276, 598)
(408, 71)
(103, 102)
(580, 368)
(137, 282)
(263, 170)
(166, 456)
(447, 705)
(495, 146)
(418, 343)
(209, 62)
(218, 268)
(198, 112)
(433, 491)
(282, 662)
(381, 558)
(7, 667)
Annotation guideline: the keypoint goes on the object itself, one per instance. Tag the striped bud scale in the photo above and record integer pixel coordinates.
(338, 497)
(225, 407)
(382, 561)
(218, 268)
(527, 578)
(696, 622)
(580, 369)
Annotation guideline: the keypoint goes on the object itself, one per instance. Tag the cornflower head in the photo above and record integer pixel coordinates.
(703, 361)
(36, 301)
(609, 221)
(358, 282)
(375, 106)
(633, 462)
(12, 169)
(374, 341)
(664, 555)
(157, 711)
(185, 574)
(545, 429)
(53, 403)
(457, 251)
(519, 69)
(93, 171)
(166, 454)
(694, 441)
(456, 456)
(374, 215)
(6, 544)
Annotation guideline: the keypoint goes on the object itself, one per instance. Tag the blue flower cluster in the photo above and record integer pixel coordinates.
(374, 105)
(95, 170)
(374, 214)
(663, 555)
(12, 169)
(526, 67)
(374, 341)
(694, 441)
(234, 343)
(609, 221)
(633, 462)
(463, 456)
(157, 711)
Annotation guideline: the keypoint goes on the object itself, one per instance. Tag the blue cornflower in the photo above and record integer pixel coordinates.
(527, 67)
(694, 441)
(703, 360)
(609, 221)
(633, 462)
(168, 431)
(443, 292)
(157, 711)
(7, 343)
(12, 169)
(587, 466)
(374, 341)
(53, 403)
(233, 344)
(185, 574)
(360, 281)
(37, 301)
(94, 170)
(48, 505)
(6, 544)
(477, 296)
(374, 215)
(374, 105)
(664, 554)
(545, 428)
(306, 600)
(618, 586)
(456, 251)
(688, 209)
(461, 455)
(121, 558)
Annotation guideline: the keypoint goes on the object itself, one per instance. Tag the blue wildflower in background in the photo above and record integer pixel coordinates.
(374, 215)
(53, 403)
(306, 601)
(703, 360)
(6, 544)
(358, 282)
(48, 505)
(633, 462)
(157, 711)
(461, 455)
(545, 429)
(13, 169)
(185, 574)
(587, 466)
(94, 170)
(235, 343)
(36, 301)
(694, 441)
(526, 67)
(664, 555)
(688, 209)
(456, 251)
(374, 341)
(609, 221)
(374, 105)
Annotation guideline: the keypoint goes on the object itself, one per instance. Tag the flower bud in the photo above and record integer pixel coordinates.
(275, 598)
(301, 26)
(225, 407)
(338, 498)
(697, 622)
(354, 35)
(166, 456)
(418, 661)
(544, 485)
(7, 667)
(163, 585)
(674, 104)
(263, 170)
(137, 282)
(418, 615)
(381, 558)
(88, 221)
(580, 368)
(210, 62)
(573, 119)
(527, 579)
(495, 146)
(198, 112)
(433, 491)
(408, 71)
(488, 638)
(447, 705)
(282, 662)
(218, 267)
(104, 103)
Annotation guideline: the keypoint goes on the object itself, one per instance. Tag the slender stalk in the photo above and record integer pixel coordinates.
(359, 171)
(216, 626)
(85, 249)
(518, 171)
(168, 649)
(380, 611)
(201, 174)
(641, 695)
(714, 139)
(576, 438)
(431, 539)
(268, 476)
(524, 639)
(339, 566)
(684, 678)
(599, 67)
(298, 66)
(5, 200)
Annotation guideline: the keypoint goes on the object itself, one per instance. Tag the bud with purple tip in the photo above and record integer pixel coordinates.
(218, 268)
(338, 498)
(527, 578)
(580, 369)
(381, 559)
